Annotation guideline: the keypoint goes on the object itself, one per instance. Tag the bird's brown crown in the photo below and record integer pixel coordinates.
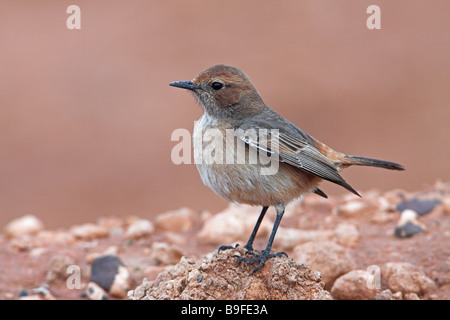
(226, 85)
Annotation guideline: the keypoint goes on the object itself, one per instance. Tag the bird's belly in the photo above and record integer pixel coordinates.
(245, 179)
(243, 183)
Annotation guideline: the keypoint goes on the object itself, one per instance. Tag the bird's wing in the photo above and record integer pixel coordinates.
(295, 151)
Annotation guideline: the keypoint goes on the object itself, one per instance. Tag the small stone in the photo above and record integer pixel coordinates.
(110, 274)
(288, 238)
(95, 292)
(176, 220)
(347, 235)
(408, 224)
(25, 225)
(411, 296)
(32, 297)
(354, 285)
(407, 230)
(165, 254)
(43, 291)
(421, 206)
(89, 231)
(139, 228)
(58, 268)
(446, 205)
(388, 295)
(23, 293)
(331, 259)
(351, 208)
(233, 224)
(407, 278)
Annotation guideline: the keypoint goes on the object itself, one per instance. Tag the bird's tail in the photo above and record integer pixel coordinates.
(363, 161)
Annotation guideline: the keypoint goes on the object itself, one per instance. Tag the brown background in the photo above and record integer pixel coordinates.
(86, 116)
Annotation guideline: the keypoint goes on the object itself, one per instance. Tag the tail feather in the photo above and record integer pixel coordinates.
(363, 161)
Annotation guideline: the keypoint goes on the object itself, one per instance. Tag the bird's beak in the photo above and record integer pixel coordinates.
(184, 85)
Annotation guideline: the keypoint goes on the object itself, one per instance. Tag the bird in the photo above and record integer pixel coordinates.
(231, 103)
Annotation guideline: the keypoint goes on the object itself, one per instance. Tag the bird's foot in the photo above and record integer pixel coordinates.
(259, 257)
(222, 248)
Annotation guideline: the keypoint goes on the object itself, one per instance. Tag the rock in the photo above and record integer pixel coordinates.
(32, 297)
(40, 293)
(44, 239)
(55, 237)
(347, 235)
(222, 276)
(411, 296)
(354, 285)
(176, 220)
(139, 228)
(407, 278)
(111, 275)
(25, 225)
(234, 224)
(58, 268)
(350, 208)
(94, 292)
(420, 206)
(331, 259)
(288, 238)
(89, 231)
(165, 254)
(384, 205)
(446, 205)
(388, 295)
(408, 224)
(407, 230)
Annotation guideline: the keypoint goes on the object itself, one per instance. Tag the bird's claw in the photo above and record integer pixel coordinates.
(259, 257)
(223, 248)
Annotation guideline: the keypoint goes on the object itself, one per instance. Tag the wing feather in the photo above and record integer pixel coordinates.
(298, 153)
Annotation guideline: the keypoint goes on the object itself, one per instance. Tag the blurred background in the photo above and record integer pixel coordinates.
(86, 116)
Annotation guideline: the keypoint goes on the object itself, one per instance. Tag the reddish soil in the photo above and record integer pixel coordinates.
(26, 260)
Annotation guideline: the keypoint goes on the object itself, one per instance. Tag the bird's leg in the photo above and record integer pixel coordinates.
(262, 257)
(249, 244)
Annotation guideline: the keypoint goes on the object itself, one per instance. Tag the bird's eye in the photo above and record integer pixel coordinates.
(217, 85)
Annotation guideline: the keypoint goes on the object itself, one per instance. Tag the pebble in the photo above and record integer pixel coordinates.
(139, 228)
(408, 224)
(331, 259)
(165, 254)
(388, 295)
(354, 286)
(406, 278)
(233, 224)
(110, 274)
(347, 234)
(58, 267)
(420, 206)
(95, 292)
(176, 220)
(89, 231)
(25, 225)
(351, 208)
(446, 205)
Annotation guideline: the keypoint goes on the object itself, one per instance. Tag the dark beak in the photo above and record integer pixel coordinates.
(184, 85)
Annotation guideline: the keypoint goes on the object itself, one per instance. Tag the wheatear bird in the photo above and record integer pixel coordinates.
(231, 102)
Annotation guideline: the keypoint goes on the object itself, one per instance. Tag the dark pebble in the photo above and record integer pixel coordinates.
(421, 206)
(407, 230)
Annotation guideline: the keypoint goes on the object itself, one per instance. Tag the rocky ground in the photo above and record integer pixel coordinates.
(392, 245)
